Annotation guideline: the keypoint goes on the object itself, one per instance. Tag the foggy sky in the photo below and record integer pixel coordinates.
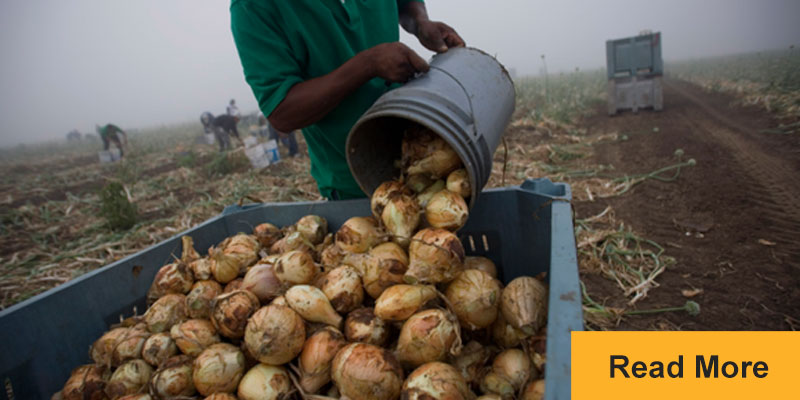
(71, 64)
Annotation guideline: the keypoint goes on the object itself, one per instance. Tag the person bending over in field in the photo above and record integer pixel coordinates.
(224, 127)
(110, 133)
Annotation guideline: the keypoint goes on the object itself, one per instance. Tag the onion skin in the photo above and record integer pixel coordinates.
(524, 304)
(129, 378)
(260, 280)
(380, 197)
(312, 305)
(497, 384)
(401, 217)
(363, 372)
(490, 396)
(533, 391)
(458, 182)
(224, 267)
(400, 302)
(221, 396)
(103, 348)
(267, 234)
(428, 336)
(86, 382)
(265, 382)
(143, 396)
(315, 360)
(425, 196)
(313, 228)
(158, 348)
(418, 182)
(342, 286)
(447, 210)
(231, 311)
(218, 369)
(175, 278)
(504, 334)
(475, 298)
(385, 267)
(189, 253)
(201, 268)
(471, 361)
(165, 312)
(482, 263)
(243, 247)
(427, 153)
(436, 380)
(233, 286)
(294, 241)
(514, 365)
(436, 255)
(194, 335)
(363, 326)
(359, 234)
(275, 334)
(200, 300)
(295, 268)
(331, 257)
(173, 379)
(129, 346)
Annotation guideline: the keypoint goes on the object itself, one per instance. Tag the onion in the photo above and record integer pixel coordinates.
(524, 304)
(401, 217)
(458, 182)
(173, 379)
(262, 282)
(293, 241)
(436, 256)
(315, 360)
(471, 361)
(474, 297)
(189, 253)
(386, 266)
(504, 334)
(313, 228)
(275, 334)
(231, 311)
(425, 196)
(436, 380)
(381, 195)
(447, 210)
(400, 302)
(342, 286)
(267, 234)
(424, 152)
(201, 268)
(158, 348)
(193, 336)
(130, 345)
(224, 267)
(233, 285)
(533, 391)
(363, 371)
(165, 312)
(129, 378)
(490, 396)
(218, 369)
(363, 326)
(86, 382)
(103, 349)
(200, 299)
(221, 396)
(242, 246)
(427, 336)
(419, 182)
(514, 365)
(497, 384)
(358, 234)
(295, 267)
(172, 278)
(142, 396)
(331, 257)
(312, 305)
(265, 382)
(482, 263)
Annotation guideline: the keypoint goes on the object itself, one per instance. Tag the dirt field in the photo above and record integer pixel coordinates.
(732, 222)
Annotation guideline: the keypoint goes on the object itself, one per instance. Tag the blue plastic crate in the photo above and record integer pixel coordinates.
(525, 230)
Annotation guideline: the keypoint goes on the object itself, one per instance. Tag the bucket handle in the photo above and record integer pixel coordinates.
(469, 99)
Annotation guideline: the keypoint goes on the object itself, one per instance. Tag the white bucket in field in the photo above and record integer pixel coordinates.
(272, 150)
(109, 156)
(209, 138)
(258, 155)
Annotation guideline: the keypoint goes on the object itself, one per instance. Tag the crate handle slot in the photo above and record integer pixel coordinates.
(485, 243)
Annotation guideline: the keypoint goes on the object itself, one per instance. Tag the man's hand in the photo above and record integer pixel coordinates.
(394, 62)
(437, 36)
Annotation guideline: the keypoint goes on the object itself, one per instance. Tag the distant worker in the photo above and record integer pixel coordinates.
(287, 139)
(224, 127)
(233, 111)
(207, 120)
(74, 136)
(110, 133)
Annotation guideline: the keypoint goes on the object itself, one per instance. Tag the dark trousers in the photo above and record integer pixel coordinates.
(288, 139)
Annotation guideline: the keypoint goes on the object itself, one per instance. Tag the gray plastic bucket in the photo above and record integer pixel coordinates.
(467, 98)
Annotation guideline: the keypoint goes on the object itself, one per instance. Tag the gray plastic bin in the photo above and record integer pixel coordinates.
(525, 230)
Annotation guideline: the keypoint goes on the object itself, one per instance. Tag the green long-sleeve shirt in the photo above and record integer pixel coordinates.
(282, 43)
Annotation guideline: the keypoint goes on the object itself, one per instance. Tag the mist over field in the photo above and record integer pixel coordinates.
(139, 64)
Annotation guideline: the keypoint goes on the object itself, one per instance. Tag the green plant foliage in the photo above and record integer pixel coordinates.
(119, 212)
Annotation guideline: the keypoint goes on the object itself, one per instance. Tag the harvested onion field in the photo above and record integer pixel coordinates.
(694, 205)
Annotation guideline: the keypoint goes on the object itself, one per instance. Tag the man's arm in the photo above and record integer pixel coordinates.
(308, 102)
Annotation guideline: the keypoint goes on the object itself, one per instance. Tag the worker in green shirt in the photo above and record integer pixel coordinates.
(318, 65)
(109, 133)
